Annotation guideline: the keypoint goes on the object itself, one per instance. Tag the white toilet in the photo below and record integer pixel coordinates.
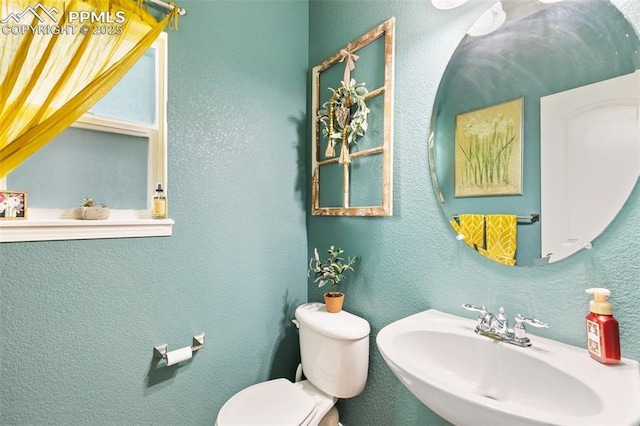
(334, 349)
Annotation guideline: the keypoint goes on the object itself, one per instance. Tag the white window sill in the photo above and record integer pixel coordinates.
(50, 225)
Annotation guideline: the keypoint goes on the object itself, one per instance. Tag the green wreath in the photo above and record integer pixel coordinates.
(344, 118)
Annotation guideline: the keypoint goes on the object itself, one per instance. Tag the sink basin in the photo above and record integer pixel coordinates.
(470, 379)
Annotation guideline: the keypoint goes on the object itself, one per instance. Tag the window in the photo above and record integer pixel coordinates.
(115, 153)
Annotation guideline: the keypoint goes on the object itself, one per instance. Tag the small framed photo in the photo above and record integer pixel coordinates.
(13, 205)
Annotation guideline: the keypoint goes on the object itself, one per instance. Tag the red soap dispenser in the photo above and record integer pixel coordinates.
(603, 338)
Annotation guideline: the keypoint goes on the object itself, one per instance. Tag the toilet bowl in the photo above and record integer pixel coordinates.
(276, 402)
(334, 349)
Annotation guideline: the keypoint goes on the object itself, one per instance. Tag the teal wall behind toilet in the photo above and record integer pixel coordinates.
(411, 261)
(79, 319)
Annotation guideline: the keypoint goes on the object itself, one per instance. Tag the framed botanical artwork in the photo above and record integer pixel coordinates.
(488, 151)
(13, 205)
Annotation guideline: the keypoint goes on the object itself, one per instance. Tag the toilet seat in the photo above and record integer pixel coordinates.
(275, 402)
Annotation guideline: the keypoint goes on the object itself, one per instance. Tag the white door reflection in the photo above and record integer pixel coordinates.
(590, 161)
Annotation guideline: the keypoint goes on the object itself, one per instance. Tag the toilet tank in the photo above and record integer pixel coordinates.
(334, 349)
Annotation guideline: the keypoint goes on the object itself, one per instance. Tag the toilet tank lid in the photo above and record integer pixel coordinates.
(342, 325)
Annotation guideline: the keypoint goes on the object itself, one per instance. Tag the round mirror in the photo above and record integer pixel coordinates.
(534, 144)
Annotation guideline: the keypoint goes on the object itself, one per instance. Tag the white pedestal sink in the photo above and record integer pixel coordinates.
(473, 380)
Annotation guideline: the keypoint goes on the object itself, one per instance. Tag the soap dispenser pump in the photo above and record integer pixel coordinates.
(603, 338)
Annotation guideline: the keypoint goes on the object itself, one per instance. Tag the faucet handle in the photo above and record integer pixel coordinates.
(520, 332)
(534, 322)
(475, 308)
(481, 310)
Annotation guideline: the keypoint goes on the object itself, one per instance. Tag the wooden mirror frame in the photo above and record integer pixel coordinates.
(386, 29)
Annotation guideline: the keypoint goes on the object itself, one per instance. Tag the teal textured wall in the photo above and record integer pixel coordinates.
(79, 319)
(411, 261)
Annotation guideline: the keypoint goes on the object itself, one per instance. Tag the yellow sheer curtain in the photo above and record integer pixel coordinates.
(57, 59)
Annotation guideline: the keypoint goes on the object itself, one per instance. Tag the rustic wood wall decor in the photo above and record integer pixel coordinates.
(331, 166)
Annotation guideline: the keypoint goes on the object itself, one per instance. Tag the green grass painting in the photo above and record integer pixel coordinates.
(488, 152)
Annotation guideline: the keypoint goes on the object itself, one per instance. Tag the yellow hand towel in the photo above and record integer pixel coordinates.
(501, 231)
(472, 228)
(497, 258)
(455, 226)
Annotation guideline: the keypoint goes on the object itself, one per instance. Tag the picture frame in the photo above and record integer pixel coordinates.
(13, 205)
(342, 193)
(488, 150)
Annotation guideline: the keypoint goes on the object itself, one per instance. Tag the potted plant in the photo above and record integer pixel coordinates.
(331, 270)
(88, 210)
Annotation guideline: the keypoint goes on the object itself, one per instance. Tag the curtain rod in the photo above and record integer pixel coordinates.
(181, 10)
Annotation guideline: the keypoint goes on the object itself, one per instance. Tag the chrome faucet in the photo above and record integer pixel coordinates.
(497, 326)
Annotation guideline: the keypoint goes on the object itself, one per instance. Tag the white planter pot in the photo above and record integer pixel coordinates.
(91, 213)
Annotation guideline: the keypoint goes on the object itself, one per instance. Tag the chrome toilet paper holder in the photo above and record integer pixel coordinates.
(160, 351)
